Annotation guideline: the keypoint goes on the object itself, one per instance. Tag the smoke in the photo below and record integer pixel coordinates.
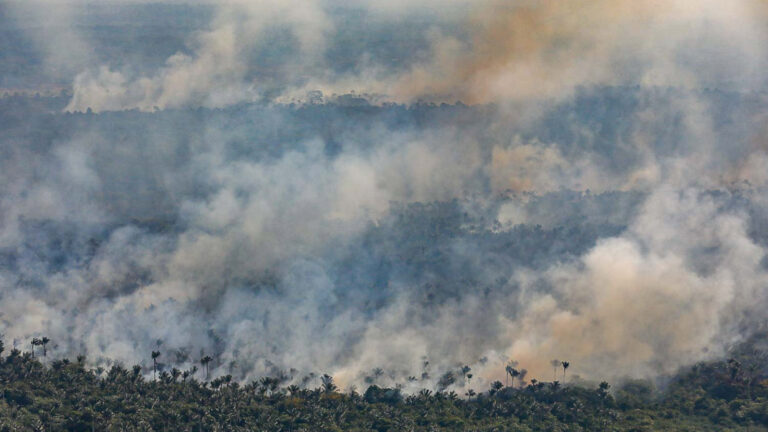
(488, 51)
(656, 298)
(599, 205)
(525, 49)
(62, 49)
(216, 72)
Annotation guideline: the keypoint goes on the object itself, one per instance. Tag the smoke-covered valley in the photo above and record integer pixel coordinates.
(385, 193)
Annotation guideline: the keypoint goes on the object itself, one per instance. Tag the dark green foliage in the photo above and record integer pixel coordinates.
(68, 396)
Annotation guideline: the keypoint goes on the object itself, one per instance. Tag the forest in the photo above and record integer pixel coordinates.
(388, 215)
(42, 393)
(444, 252)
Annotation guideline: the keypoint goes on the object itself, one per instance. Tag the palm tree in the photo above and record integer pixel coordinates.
(35, 342)
(155, 355)
(44, 341)
(469, 394)
(269, 385)
(515, 375)
(175, 374)
(328, 385)
(511, 372)
(204, 361)
(565, 367)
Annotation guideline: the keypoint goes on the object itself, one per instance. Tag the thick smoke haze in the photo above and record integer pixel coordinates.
(387, 190)
(489, 51)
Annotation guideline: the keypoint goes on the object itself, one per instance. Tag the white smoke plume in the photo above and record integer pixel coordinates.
(343, 237)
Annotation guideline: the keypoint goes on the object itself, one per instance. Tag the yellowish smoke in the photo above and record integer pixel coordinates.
(535, 49)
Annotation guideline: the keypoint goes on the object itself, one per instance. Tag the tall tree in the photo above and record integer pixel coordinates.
(565, 367)
(469, 394)
(204, 361)
(35, 342)
(513, 373)
(44, 341)
(155, 355)
(510, 369)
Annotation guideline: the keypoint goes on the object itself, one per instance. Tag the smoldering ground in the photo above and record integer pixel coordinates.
(618, 227)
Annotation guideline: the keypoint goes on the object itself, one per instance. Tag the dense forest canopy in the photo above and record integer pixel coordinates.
(431, 197)
(66, 395)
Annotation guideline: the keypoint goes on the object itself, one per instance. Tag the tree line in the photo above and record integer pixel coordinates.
(37, 393)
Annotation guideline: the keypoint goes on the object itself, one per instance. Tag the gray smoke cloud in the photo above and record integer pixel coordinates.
(616, 227)
(495, 50)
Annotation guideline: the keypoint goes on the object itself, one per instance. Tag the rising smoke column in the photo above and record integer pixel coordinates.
(215, 242)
